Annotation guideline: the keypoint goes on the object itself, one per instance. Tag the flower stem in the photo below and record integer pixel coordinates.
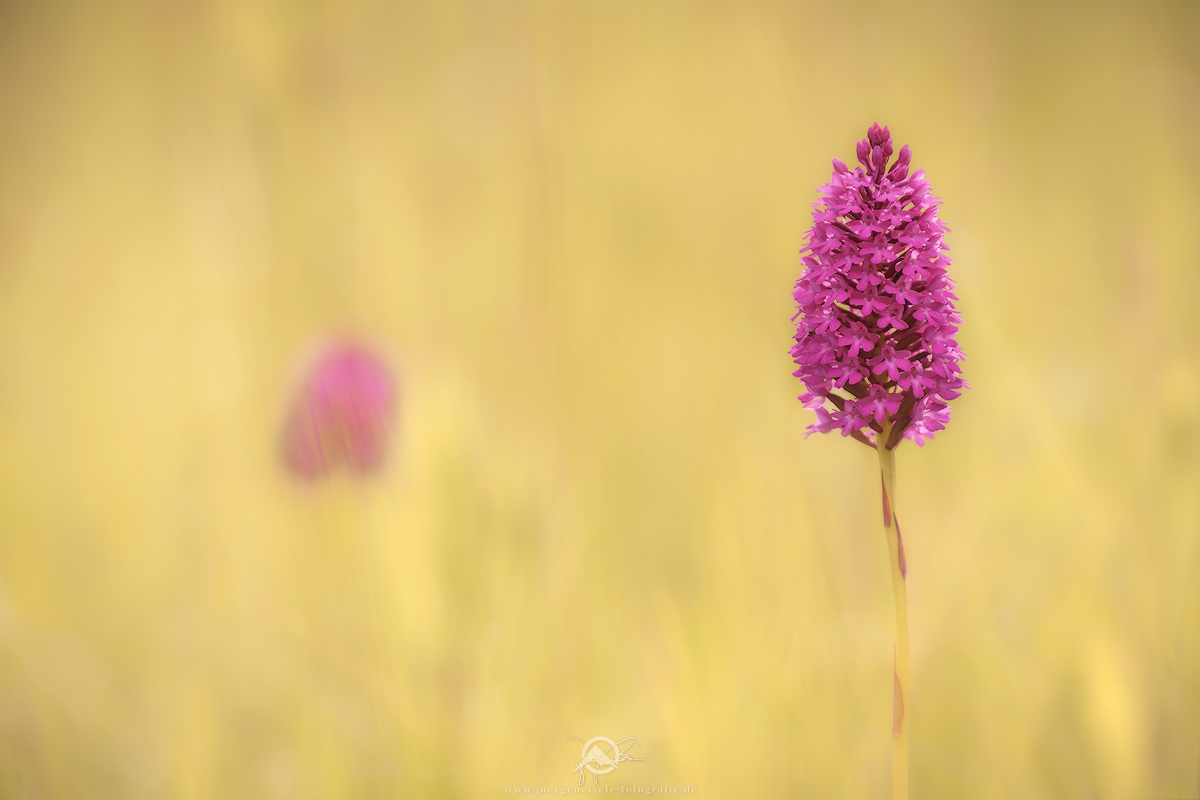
(899, 570)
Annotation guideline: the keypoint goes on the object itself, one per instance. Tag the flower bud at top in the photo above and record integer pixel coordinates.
(900, 169)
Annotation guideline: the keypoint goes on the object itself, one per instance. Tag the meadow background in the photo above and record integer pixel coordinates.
(572, 227)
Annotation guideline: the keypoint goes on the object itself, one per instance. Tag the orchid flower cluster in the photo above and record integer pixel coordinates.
(876, 336)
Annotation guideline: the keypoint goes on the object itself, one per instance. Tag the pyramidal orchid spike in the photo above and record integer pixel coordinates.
(876, 318)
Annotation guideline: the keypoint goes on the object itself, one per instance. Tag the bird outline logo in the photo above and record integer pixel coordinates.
(601, 755)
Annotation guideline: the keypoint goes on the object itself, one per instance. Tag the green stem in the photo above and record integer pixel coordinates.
(895, 543)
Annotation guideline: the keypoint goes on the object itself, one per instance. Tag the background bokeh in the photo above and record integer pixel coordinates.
(571, 227)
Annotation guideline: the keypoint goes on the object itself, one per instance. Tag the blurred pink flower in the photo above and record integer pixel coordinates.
(342, 415)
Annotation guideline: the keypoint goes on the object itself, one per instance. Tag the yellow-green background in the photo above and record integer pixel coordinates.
(572, 228)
